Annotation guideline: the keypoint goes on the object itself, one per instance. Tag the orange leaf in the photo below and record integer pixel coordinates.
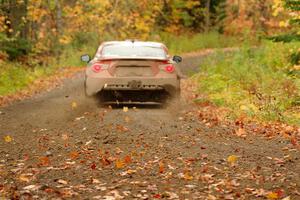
(272, 195)
(127, 159)
(24, 178)
(187, 176)
(119, 164)
(279, 192)
(294, 141)
(44, 161)
(121, 128)
(161, 167)
(74, 155)
(105, 161)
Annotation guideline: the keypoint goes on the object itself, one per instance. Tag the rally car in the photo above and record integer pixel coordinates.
(132, 72)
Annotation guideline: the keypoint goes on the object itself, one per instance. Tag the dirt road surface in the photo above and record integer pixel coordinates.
(61, 145)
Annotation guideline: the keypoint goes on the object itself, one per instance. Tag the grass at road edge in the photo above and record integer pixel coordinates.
(260, 83)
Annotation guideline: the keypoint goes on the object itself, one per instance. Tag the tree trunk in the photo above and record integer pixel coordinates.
(207, 15)
(58, 18)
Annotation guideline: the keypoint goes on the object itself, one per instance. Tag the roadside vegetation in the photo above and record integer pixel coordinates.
(195, 42)
(262, 82)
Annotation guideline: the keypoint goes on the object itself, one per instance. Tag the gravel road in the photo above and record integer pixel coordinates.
(62, 145)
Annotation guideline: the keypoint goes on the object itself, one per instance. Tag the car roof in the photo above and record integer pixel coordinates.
(135, 43)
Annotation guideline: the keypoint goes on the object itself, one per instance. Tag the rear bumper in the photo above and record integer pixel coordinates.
(94, 85)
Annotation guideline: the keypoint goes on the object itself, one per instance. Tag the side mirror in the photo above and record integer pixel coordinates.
(85, 58)
(177, 59)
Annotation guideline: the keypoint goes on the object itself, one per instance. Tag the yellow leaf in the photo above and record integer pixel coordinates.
(7, 138)
(272, 195)
(187, 176)
(125, 109)
(119, 164)
(74, 105)
(232, 159)
(24, 178)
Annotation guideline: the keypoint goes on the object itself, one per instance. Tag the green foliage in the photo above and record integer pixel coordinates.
(256, 82)
(293, 5)
(15, 48)
(194, 42)
(13, 78)
(285, 38)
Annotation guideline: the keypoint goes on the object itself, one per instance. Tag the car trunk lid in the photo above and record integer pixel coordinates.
(135, 68)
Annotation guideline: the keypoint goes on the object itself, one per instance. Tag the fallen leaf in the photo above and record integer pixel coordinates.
(172, 195)
(121, 128)
(157, 196)
(74, 105)
(118, 151)
(74, 155)
(241, 132)
(125, 109)
(105, 161)
(25, 177)
(279, 192)
(294, 141)
(61, 181)
(161, 167)
(31, 187)
(8, 138)
(127, 159)
(44, 161)
(128, 172)
(119, 164)
(232, 159)
(93, 166)
(211, 197)
(95, 181)
(64, 136)
(187, 176)
(272, 195)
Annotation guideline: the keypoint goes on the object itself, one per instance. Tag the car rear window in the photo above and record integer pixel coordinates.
(133, 51)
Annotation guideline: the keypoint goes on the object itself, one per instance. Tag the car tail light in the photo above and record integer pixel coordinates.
(170, 68)
(97, 67)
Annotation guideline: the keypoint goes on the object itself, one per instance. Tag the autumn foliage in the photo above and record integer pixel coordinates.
(37, 27)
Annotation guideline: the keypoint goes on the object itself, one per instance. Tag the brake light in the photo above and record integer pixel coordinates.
(170, 68)
(97, 67)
